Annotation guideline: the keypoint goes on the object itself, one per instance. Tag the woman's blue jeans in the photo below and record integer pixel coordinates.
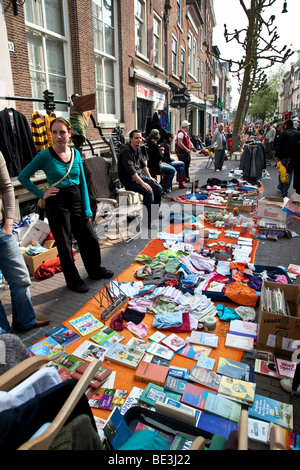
(169, 172)
(16, 274)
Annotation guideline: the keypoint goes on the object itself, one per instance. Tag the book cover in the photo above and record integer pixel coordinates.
(107, 398)
(179, 372)
(116, 429)
(63, 335)
(63, 373)
(243, 328)
(156, 360)
(181, 442)
(88, 351)
(221, 406)
(68, 361)
(149, 372)
(216, 424)
(195, 396)
(138, 343)
(237, 389)
(86, 323)
(239, 342)
(158, 349)
(154, 393)
(175, 385)
(204, 339)
(103, 335)
(183, 407)
(100, 375)
(47, 347)
(174, 342)
(265, 368)
(132, 399)
(205, 377)
(206, 362)
(258, 430)
(285, 368)
(124, 355)
(194, 351)
(235, 369)
(272, 411)
(157, 336)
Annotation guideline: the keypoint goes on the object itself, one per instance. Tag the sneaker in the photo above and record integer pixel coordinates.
(286, 384)
(217, 170)
(81, 288)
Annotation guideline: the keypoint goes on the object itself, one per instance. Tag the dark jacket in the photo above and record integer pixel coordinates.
(288, 151)
(154, 155)
(130, 162)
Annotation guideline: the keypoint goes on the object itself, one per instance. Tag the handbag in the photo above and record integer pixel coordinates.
(42, 202)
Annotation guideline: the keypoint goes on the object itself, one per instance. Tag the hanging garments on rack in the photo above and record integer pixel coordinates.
(40, 128)
(16, 142)
(253, 161)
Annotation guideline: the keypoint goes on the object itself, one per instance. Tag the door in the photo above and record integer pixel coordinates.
(144, 113)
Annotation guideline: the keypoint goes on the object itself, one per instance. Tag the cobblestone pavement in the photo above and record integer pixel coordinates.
(53, 299)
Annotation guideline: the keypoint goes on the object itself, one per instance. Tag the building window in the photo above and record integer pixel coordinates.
(179, 8)
(192, 55)
(199, 70)
(174, 56)
(47, 48)
(183, 65)
(104, 29)
(140, 27)
(157, 41)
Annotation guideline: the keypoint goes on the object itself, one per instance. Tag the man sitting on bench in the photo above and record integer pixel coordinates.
(135, 176)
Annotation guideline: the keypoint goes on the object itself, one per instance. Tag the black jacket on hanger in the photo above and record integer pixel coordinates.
(16, 141)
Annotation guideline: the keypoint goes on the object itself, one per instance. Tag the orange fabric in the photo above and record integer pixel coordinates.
(241, 294)
(124, 375)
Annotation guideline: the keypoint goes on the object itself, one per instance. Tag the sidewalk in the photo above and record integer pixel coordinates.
(51, 297)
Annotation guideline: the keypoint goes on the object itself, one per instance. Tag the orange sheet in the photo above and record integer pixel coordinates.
(124, 375)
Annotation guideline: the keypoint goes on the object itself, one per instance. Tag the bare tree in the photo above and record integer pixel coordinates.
(258, 40)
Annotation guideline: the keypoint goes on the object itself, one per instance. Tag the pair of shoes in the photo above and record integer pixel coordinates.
(81, 288)
(103, 273)
(286, 384)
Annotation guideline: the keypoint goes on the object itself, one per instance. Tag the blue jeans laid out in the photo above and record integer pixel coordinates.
(16, 274)
(169, 172)
(179, 167)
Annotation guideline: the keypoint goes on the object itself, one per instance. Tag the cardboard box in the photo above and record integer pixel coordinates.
(271, 208)
(276, 332)
(34, 262)
(37, 233)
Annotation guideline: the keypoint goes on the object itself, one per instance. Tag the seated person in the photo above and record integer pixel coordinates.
(155, 159)
(179, 166)
(135, 176)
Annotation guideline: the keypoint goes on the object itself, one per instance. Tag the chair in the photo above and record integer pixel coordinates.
(103, 196)
(24, 369)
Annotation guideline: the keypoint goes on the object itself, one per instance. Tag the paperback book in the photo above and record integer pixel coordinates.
(179, 372)
(272, 411)
(158, 349)
(132, 399)
(47, 347)
(215, 424)
(235, 369)
(194, 351)
(138, 343)
(157, 336)
(258, 430)
(86, 324)
(221, 406)
(204, 339)
(149, 372)
(124, 355)
(206, 362)
(205, 377)
(89, 351)
(174, 342)
(107, 334)
(194, 396)
(285, 368)
(116, 430)
(63, 335)
(156, 360)
(265, 368)
(68, 361)
(107, 398)
(181, 442)
(154, 393)
(243, 328)
(237, 389)
(175, 385)
(242, 343)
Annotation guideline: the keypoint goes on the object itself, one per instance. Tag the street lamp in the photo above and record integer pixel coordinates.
(284, 8)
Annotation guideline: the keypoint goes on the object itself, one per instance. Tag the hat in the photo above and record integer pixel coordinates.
(185, 123)
(154, 133)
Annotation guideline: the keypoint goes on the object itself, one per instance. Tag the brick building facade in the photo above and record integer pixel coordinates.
(135, 55)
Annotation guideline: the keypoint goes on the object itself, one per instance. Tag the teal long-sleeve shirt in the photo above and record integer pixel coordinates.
(54, 171)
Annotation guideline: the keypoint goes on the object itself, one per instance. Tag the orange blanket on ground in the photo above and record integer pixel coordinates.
(124, 375)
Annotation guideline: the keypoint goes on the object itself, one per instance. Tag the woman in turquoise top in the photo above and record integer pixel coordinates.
(67, 206)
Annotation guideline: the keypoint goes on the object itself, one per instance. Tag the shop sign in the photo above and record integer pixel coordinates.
(180, 100)
(149, 94)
